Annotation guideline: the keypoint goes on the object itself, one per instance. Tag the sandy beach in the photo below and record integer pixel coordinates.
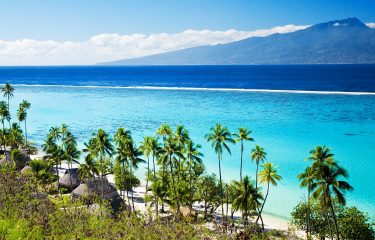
(270, 221)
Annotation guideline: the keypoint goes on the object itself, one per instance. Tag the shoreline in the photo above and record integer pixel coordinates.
(317, 92)
(271, 221)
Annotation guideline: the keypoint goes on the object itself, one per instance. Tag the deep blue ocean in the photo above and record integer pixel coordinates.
(287, 124)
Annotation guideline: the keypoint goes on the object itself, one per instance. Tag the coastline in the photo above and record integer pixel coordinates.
(271, 221)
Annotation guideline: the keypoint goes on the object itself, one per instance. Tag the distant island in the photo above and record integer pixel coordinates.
(347, 41)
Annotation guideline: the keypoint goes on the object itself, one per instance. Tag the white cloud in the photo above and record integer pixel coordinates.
(370, 25)
(109, 47)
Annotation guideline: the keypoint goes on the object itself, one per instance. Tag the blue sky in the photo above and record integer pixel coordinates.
(68, 32)
(77, 20)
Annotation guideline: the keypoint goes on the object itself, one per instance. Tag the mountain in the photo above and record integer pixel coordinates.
(347, 41)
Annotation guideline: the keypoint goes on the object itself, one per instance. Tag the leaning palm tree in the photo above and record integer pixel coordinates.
(219, 136)
(4, 114)
(328, 183)
(306, 179)
(258, 155)
(102, 147)
(194, 156)
(247, 198)
(268, 175)
(8, 90)
(242, 135)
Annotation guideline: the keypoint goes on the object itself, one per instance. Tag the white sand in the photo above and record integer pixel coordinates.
(270, 221)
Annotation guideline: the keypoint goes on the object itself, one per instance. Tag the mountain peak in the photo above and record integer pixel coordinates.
(352, 22)
(346, 41)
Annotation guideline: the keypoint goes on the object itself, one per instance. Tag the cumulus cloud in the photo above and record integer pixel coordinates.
(370, 25)
(109, 47)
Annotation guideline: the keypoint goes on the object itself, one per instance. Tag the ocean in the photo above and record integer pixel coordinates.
(274, 102)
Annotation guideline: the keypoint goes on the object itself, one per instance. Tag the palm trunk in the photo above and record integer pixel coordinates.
(264, 202)
(308, 213)
(334, 219)
(124, 175)
(131, 186)
(101, 175)
(190, 187)
(148, 175)
(174, 187)
(4, 139)
(155, 195)
(162, 180)
(256, 176)
(221, 190)
(27, 146)
(329, 225)
(241, 160)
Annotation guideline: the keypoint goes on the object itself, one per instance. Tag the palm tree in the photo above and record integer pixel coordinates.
(4, 114)
(194, 156)
(171, 153)
(22, 116)
(71, 155)
(8, 90)
(268, 175)
(155, 152)
(164, 130)
(181, 136)
(247, 198)
(103, 147)
(134, 159)
(219, 136)
(88, 169)
(122, 154)
(322, 156)
(328, 183)
(306, 180)
(145, 148)
(242, 135)
(54, 133)
(258, 155)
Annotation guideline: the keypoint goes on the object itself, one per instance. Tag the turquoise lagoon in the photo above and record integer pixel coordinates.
(288, 125)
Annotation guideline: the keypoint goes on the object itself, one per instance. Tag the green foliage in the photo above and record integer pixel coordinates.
(354, 224)
(19, 229)
(123, 182)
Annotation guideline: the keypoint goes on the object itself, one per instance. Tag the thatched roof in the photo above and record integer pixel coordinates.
(70, 179)
(90, 188)
(95, 187)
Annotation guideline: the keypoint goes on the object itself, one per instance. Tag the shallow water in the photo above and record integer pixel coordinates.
(287, 125)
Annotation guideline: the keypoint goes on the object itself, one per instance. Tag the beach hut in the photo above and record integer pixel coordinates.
(98, 188)
(70, 179)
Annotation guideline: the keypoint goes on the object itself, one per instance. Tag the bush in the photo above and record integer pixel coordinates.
(354, 224)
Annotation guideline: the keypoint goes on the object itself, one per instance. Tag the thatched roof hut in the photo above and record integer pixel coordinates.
(94, 188)
(70, 179)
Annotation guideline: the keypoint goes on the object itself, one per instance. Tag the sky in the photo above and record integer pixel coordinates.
(56, 32)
